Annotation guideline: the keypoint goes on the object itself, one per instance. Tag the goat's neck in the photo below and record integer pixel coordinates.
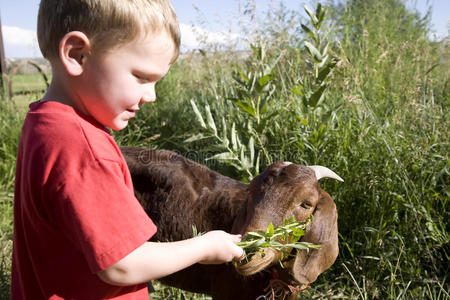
(177, 197)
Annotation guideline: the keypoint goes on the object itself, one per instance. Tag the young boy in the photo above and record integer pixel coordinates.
(79, 232)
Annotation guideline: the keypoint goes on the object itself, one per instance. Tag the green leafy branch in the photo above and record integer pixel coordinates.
(254, 88)
(281, 238)
(312, 89)
(252, 91)
(235, 153)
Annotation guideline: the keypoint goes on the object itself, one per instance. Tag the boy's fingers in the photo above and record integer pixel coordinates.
(242, 256)
(236, 238)
(239, 254)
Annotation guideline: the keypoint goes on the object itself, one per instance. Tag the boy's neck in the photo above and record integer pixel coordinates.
(60, 90)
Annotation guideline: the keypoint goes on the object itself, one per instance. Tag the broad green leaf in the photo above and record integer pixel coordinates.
(198, 114)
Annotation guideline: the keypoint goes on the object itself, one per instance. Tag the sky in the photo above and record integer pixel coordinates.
(216, 20)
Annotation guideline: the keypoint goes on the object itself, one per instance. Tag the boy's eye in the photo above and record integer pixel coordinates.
(141, 79)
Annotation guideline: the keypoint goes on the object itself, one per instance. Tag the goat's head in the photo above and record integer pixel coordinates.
(284, 190)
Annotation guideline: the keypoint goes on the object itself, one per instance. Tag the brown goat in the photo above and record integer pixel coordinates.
(178, 193)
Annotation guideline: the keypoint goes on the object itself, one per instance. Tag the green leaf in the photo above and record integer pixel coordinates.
(195, 138)
(309, 32)
(299, 246)
(325, 71)
(246, 107)
(317, 96)
(298, 90)
(198, 114)
(323, 62)
(255, 234)
(270, 229)
(265, 80)
(223, 156)
(325, 50)
(244, 78)
(251, 147)
(313, 51)
(233, 137)
(210, 120)
(244, 160)
(298, 232)
(268, 69)
(311, 15)
(257, 165)
(318, 9)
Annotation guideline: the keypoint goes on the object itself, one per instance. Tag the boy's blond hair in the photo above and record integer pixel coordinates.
(107, 23)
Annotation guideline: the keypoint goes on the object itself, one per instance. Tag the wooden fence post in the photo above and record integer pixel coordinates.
(2, 61)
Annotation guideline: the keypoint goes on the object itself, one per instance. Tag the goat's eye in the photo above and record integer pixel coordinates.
(306, 205)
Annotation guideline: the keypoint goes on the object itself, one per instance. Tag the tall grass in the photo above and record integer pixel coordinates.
(381, 124)
(10, 122)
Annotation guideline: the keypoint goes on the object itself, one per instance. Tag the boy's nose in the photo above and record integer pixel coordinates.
(149, 94)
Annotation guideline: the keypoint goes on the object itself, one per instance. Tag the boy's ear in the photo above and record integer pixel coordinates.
(74, 48)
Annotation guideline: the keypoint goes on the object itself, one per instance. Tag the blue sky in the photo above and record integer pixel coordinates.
(18, 19)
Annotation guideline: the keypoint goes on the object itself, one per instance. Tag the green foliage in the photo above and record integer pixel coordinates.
(312, 88)
(376, 112)
(282, 238)
(11, 123)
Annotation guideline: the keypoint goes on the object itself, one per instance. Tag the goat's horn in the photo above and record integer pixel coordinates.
(322, 172)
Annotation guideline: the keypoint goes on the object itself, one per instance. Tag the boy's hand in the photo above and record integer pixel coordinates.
(220, 247)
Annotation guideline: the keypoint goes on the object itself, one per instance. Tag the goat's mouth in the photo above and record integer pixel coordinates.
(263, 260)
(258, 262)
(269, 259)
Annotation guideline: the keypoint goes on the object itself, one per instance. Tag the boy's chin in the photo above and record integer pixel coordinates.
(117, 126)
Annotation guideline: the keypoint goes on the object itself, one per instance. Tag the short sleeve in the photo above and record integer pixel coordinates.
(99, 213)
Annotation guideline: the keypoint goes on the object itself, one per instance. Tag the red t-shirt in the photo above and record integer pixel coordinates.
(75, 213)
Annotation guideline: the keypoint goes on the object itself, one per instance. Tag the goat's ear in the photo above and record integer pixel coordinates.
(324, 232)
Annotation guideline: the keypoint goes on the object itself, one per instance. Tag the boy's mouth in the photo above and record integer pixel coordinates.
(132, 112)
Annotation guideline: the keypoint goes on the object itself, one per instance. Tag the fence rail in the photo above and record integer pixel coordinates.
(13, 72)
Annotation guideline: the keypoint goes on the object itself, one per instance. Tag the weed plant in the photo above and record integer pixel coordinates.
(381, 123)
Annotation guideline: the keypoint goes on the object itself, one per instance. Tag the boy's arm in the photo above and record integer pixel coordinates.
(155, 260)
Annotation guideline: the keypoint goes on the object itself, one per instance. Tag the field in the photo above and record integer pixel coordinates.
(365, 96)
